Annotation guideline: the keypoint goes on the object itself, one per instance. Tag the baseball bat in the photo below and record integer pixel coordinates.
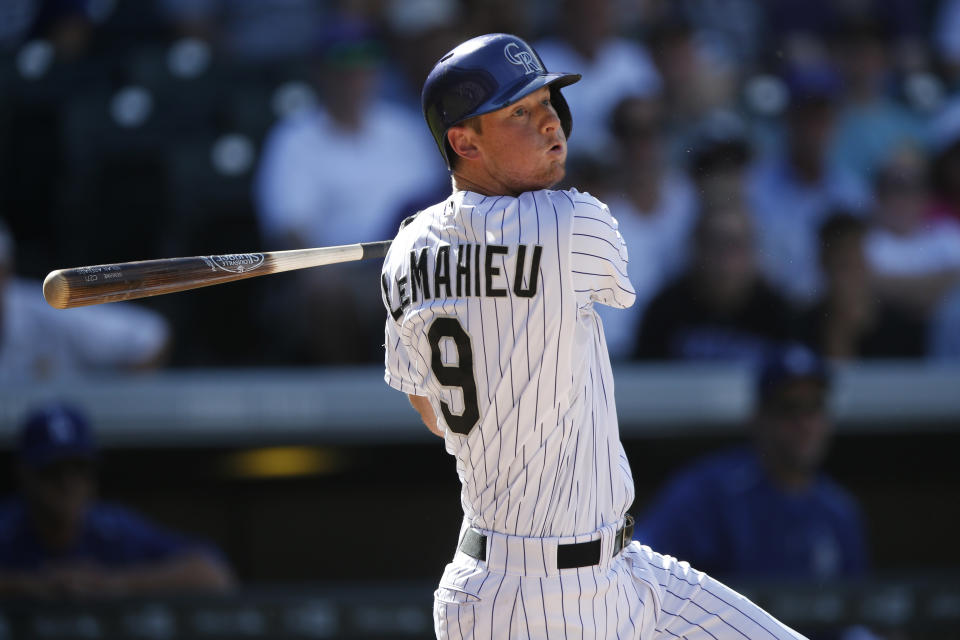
(83, 286)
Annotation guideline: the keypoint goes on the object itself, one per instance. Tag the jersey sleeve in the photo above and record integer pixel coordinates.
(403, 366)
(598, 256)
(400, 370)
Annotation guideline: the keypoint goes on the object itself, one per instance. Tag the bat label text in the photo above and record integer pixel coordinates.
(238, 262)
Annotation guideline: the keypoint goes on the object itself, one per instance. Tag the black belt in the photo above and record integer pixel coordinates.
(569, 556)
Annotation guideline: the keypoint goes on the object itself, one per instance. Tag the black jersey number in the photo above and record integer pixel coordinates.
(457, 375)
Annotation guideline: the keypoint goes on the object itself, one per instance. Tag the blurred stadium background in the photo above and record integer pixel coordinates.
(141, 129)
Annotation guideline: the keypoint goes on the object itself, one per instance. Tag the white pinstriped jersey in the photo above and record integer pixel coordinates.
(490, 316)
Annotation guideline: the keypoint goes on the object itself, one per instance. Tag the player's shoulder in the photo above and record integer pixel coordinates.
(422, 219)
(566, 202)
(579, 199)
(414, 228)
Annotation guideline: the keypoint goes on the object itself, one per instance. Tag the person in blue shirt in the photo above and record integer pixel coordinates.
(57, 539)
(765, 510)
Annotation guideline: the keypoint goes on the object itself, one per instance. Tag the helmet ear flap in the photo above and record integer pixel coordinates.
(563, 110)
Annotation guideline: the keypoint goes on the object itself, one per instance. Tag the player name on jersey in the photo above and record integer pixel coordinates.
(466, 270)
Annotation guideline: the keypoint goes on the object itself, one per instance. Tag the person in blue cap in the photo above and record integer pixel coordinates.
(57, 539)
(765, 509)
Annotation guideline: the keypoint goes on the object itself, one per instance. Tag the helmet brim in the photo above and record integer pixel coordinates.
(520, 90)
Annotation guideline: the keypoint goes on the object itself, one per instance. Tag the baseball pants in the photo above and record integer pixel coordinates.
(518, 592)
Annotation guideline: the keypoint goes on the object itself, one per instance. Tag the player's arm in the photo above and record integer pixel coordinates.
(401, 370)
(422, 405)
(599, 257)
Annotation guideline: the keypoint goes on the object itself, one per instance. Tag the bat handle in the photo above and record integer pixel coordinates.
(375, 249)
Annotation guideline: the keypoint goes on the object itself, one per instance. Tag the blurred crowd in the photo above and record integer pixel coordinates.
(780, 170)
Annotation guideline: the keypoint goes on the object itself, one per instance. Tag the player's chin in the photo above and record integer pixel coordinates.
(546, 176)
(552, 174)
(558, 173)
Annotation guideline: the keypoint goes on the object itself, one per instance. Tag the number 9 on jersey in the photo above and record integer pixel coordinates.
(455, 375)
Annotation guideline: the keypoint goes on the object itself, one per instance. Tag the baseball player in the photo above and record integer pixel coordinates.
(492, 333)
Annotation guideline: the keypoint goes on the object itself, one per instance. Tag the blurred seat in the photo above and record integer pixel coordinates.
(115, 186)
(212, 213)
(190, 87)
(34, 88)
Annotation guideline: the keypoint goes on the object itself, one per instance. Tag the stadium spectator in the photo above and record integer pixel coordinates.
(719, 159)
(612, 68)
(313, 187)
(765, 510)
(500, 16)
(791, 193)
(944, 344)
(946, 37)
(58, 540)
(420, 32)
(720, 308)
(697, 79)
(249, 30)
(65, 24)
(333, 174)
(38, 342)
(655, 208)
(870, 125)
(915, 257)
(945, 169)
(789, 22)
(735, 27)
(851, 320)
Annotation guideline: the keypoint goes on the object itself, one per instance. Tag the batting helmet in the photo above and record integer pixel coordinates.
(484, 74)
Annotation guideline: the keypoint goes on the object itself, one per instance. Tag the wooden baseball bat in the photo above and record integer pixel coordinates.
(82, 286)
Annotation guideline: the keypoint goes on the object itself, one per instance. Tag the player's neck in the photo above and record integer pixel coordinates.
(483, 185)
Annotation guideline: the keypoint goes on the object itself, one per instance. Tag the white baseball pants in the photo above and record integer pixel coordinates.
(519, 593)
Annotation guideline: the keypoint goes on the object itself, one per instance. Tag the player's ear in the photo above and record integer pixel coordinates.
(462, 141)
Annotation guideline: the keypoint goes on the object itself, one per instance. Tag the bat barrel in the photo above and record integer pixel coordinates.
(56, 289)
(67, 288)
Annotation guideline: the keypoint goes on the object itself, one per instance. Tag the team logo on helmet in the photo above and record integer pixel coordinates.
(522, 58)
